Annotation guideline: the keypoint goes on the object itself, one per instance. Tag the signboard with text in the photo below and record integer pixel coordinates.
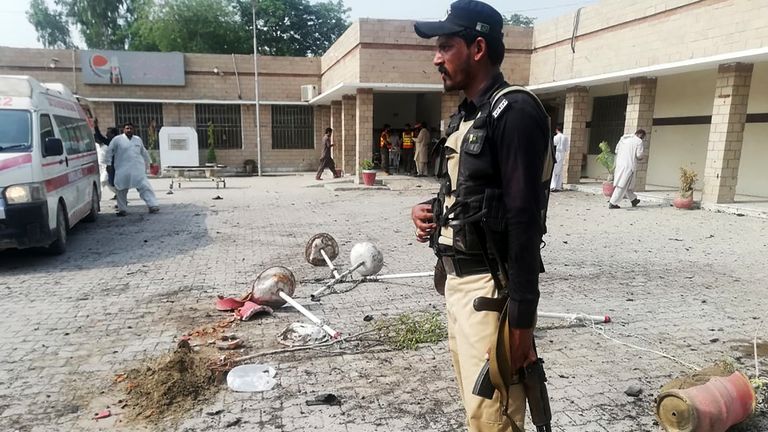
(132, 68)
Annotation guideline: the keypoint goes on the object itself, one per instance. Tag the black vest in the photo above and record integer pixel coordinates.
(479, 203)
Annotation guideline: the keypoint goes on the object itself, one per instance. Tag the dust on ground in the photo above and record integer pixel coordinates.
(171, 385)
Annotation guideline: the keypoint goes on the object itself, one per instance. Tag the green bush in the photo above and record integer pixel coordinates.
(366, 164)
(607, 159)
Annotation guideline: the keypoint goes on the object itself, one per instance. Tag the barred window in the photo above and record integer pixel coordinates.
(227, 126)
(293, 127)
(142, 115)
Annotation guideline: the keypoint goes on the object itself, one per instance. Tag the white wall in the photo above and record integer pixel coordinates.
(672, 147)
(753, 177)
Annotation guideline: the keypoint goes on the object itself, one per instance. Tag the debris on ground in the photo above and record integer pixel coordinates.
(102, 414)
(720, 369)
(251, 378)
(325, 399)
(300, 334)
(170, 385)
(407, 331)
(228, 342)
(244, 307)
(633, 391)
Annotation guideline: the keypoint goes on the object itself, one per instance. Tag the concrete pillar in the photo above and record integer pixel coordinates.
(641, 102)
(337, 129)
(575, 128)
(348, 139)
(726, 134)
(364, 129)
(449, 104)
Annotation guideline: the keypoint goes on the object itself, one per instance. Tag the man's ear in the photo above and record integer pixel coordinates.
(479, 49)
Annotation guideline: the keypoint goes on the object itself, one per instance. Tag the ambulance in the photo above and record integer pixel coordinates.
(49, 172)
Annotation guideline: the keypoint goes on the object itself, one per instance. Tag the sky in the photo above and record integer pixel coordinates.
(16, 31)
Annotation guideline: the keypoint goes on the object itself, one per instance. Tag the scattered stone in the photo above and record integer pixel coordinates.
(633, 391)
(214, 413)
(713, 340)
(218, 197)
(232, 423)
(368, 318)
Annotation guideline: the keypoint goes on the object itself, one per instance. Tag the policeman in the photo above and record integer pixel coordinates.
(496, 167)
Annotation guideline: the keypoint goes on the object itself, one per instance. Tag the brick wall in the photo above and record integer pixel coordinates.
(616, 35)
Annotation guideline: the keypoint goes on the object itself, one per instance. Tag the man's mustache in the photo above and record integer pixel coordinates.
(443, 70)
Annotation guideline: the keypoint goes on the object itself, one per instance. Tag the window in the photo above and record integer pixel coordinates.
(293, 127)
(15, 131)
(46, 128)
(227, 128)
(142, 115)
(607, 124)
(75, 135)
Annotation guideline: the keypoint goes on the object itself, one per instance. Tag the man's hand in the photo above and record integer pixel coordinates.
(422, 217)
(521, 352)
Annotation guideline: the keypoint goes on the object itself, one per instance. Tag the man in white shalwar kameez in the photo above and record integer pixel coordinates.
(562, 144)
(629, 151)
(131, 160)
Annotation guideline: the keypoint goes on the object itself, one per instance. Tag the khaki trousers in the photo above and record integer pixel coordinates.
(470, 335)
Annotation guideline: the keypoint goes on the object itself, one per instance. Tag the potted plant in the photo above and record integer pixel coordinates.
(369, 174)
(210, 159)
(607, 159)
(154, 167)
(687, 180)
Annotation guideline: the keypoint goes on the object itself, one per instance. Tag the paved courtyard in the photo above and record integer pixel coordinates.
(689, 284)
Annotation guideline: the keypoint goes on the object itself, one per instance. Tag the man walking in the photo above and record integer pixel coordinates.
(490, 214)
(326, 160)
(629, 151)
(422, 149)
(562, 144)
(131, 160)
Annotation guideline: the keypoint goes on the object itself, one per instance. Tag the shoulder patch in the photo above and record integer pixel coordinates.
(499, 109)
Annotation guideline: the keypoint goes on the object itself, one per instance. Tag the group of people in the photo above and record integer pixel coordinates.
(406, 150)
(123, 163)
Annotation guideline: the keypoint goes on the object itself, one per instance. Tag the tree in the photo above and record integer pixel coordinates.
(520, 20)
(198, 26)
(51, 26)
(284, 27)
(103, 24)
(295, 27)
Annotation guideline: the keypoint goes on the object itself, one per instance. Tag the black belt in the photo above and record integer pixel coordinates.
(465, 266)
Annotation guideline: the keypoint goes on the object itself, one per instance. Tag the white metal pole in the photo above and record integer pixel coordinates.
(331, 332)
(397, 276)
(329, 263)
(576, 317)
(314, 295)
(256, 91)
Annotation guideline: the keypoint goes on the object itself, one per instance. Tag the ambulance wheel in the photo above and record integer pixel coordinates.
(95, 207)
(59, 246)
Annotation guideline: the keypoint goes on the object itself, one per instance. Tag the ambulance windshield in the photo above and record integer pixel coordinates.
(15, 131)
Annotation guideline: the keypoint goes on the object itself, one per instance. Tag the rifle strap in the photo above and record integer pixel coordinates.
(501, 373)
